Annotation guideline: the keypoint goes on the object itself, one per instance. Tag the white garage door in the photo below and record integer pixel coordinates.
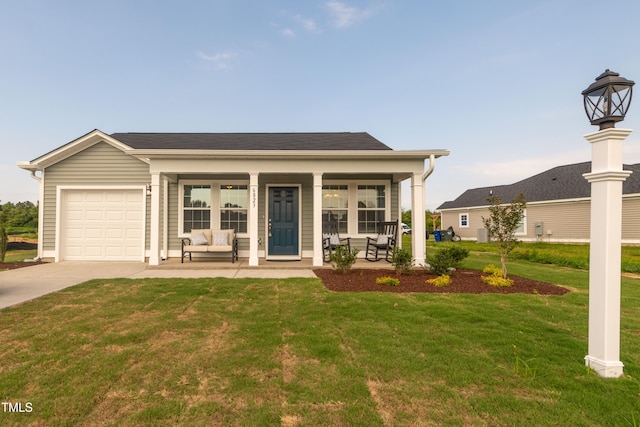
(102, 225)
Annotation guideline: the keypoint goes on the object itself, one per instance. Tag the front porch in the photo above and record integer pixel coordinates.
(243, 264)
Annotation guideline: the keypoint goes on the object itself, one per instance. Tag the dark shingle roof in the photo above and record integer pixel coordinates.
(559, 183)
(252, 141)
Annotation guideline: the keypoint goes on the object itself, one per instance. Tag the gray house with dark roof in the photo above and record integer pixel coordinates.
(135, 196)
(558, 206)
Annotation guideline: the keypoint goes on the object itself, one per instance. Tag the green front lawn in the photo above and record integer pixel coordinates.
(289, 352)
(566, 255)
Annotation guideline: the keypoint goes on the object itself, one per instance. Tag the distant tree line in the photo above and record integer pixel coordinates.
(21, 214)
(428, 219)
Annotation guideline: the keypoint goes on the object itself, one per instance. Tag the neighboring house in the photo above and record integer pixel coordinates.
(134, 196)
(558, 206)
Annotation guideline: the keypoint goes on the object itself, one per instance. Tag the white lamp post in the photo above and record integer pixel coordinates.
(606, 101)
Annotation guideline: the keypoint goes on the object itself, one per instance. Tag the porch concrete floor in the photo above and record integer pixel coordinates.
(243, 264)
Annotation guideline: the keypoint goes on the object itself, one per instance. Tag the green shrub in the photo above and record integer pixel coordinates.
(446, 259)
(440, 281)
(494, 277)
(343, 259)
(401, 260)
(389, 281)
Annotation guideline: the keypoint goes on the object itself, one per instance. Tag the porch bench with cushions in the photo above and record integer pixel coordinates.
(212, 242)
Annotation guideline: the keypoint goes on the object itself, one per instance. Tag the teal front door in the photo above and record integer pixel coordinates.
(283, 222)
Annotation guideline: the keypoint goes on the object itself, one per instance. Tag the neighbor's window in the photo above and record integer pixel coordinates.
(522, 226)
(234, 202)
(335, 206)
(371, 207)
(464, 220)
(196, 205)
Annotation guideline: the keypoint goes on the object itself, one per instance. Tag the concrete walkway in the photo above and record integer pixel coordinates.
(24, 284)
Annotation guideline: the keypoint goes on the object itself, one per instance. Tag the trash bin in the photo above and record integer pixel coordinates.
(446, 235)
(437, 236)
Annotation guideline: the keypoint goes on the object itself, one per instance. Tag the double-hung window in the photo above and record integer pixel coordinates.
(357, 207)
(216, 205)
(234, 201)
(371, 207)
(335, 206)
(196, 207)
(464, 220)
(522, 226)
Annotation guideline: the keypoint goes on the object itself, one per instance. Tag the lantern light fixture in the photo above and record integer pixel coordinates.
(607, 100)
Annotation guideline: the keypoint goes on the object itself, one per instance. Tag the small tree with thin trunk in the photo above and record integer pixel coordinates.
(503, 223)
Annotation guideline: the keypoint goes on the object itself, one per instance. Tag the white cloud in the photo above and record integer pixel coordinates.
(222, 60)
(513, 170)
(344, 15)
(288, 32)
(306, 23)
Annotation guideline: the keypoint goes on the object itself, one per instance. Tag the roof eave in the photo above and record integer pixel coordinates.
(70, 149)
(286, 154)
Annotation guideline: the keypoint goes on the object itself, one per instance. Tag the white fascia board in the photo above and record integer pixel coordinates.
(286, 154)
(71, 148)
(340, 165)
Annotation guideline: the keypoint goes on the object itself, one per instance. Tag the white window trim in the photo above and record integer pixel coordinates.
(524, 223)
(460, 220)
(352, 189)
(215, 202)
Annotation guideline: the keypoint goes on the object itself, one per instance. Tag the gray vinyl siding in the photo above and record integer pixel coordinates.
(100, 164)
(631, 219)
(306, 200)
(452, 218)
(567, 221)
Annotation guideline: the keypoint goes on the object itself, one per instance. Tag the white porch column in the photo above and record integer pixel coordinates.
(418, 235)
(154, 227)
(253, 219)
(317, 220)
(606, 180)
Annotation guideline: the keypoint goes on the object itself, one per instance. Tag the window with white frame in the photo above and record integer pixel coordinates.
(464, 220)
(234, 202)
(206, 204)
(196, 207)
(371, 207)
(335, 206)
(522, 226)
(356, 206)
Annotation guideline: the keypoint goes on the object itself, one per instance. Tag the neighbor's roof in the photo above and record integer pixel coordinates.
(559, 183)
(251, 141)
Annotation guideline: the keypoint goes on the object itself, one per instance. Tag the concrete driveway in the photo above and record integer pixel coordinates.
(27, 283)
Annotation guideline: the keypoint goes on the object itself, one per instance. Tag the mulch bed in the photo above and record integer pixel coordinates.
(19, 246)
(462, 281)
(14, 265)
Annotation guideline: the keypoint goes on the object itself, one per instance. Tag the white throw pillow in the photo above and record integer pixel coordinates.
(199, 239)
(220, 239)
(383, 240)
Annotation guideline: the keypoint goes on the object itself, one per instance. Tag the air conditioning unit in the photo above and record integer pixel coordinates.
(483, 235)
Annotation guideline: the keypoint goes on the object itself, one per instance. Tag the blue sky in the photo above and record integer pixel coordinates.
(497, 82)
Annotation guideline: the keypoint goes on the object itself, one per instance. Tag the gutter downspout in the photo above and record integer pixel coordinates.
(40, 212)
(429, 171)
